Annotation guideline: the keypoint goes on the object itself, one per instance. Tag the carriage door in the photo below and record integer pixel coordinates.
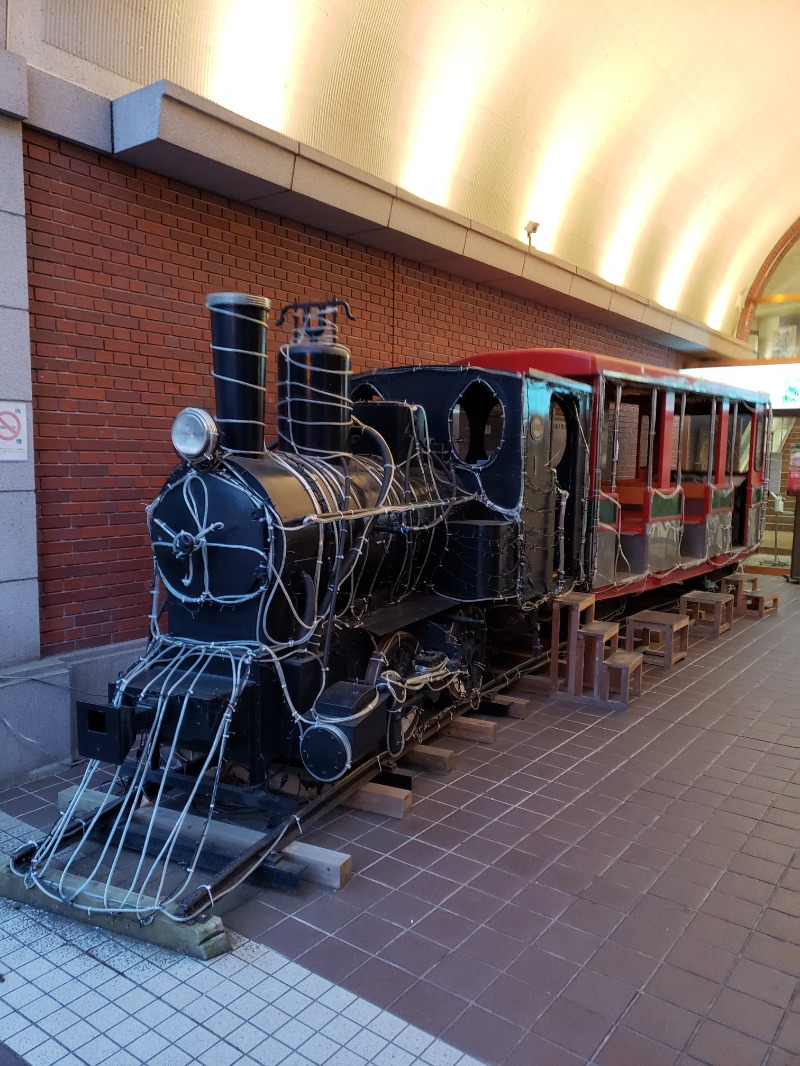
(555, 482)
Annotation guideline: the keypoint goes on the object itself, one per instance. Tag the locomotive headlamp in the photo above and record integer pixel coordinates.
(194, 435)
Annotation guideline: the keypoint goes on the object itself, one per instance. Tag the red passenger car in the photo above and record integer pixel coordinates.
(678, 467)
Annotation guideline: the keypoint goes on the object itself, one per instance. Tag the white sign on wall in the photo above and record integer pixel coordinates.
(13, 431)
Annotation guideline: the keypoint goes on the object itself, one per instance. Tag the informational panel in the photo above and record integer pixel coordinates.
(13, 431)
(775, 472)
(793, 473)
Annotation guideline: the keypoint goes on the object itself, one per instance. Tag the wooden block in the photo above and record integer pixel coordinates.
(380, 799)
(322, 866)
(510, 705)
(429, 757)
(478, 729)
(760, 604)
(204, 939)
(536, 684)
(508, 699)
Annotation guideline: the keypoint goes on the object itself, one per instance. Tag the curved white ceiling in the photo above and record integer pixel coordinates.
(652, 140)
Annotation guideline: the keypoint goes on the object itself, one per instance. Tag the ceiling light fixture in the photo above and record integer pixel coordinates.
(530, 229)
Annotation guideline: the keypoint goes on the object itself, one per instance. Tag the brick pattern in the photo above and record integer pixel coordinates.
(120, 262)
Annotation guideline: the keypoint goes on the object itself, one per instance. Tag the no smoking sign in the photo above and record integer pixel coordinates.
(13, 431)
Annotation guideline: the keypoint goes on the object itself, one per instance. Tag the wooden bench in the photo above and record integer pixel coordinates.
(739, 584)
(714, 609)
(579, 607)
(621, 674)
(592, 641)
(663, 637)
(760, 604)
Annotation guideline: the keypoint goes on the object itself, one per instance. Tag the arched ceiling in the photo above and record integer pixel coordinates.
(651, 140)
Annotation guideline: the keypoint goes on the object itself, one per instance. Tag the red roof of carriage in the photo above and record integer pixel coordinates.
(565, 363)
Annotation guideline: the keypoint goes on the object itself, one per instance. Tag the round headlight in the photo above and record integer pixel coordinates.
(194, 435)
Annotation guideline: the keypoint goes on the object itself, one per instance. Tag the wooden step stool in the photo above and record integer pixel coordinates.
(739, 584)
(714, 609)
(759, 604)
(621, 673)
(663, 637)
(580, 610)
(592, 641)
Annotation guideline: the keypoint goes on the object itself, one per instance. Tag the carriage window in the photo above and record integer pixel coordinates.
(628, 430)
(697, 445)
(558, 434)
(739, 446)
(644, 441)
(477, 421)
(694, 447)
(758, 459)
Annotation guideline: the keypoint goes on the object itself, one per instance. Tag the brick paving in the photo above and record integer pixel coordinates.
(594, 888)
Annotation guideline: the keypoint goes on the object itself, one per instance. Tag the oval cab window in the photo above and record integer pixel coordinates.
(477, 421)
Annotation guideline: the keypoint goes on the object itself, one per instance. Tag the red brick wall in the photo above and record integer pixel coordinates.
(120, 263)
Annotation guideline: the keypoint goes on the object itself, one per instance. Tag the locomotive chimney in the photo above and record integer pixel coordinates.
(314, 406)
(239, 346)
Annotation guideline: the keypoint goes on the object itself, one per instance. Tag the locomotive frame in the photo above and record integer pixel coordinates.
(386, 564)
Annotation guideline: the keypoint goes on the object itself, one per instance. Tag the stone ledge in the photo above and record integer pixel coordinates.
(13, 85)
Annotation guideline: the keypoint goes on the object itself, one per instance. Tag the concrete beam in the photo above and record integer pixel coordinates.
(13, 85)
(65, 110)
(176, 133)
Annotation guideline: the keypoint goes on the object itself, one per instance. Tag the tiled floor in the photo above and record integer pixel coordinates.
(78, 996)
(604, 888)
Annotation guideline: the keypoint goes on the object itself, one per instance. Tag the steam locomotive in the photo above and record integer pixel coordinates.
(341, 569)
(324, 601)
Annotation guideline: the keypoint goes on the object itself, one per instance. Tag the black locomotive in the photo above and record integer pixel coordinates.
(319, 603)
(328, 594)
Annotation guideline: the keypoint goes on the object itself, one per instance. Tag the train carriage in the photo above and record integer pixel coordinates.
(679, 467)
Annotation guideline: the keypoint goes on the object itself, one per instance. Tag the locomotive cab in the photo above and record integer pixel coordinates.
(518, 446)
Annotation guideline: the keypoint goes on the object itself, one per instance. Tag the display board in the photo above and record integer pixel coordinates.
(793, 473)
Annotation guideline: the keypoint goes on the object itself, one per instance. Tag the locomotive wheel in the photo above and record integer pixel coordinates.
(395, 654)
(468, 635)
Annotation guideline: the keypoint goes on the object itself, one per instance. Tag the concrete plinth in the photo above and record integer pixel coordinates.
(37, 705)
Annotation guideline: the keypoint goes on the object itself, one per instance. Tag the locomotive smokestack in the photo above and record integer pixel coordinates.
(314, 406)
(239, 344)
